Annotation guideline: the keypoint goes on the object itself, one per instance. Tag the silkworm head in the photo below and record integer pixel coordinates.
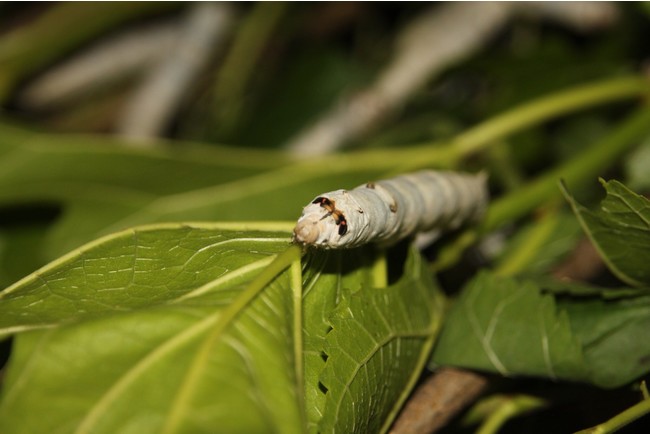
(317, 227)
(308, 229)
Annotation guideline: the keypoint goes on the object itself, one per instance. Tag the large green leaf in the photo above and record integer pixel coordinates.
(135, 269)
(517, 328)
(130, 319)
(501, 325)
(104, 186)
(179, 328)
(67, 167)
(275, 194)
(611, 325)
(620, 230)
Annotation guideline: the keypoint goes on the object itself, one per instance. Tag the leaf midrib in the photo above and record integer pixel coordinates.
(139, 368)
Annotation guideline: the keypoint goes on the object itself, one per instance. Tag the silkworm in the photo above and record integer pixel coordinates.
(387, 211)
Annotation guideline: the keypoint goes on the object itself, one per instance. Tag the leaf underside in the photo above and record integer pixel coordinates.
(377, 333)
(136, 332)
(558, 330)
(515, 327)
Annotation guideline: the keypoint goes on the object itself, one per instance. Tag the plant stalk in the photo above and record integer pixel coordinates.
(577, 171)
(521, 117)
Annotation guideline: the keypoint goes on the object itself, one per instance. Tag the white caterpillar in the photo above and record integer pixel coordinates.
(385, 212)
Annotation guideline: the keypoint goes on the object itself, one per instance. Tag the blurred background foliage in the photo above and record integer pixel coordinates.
(291, 63)
(114, 114)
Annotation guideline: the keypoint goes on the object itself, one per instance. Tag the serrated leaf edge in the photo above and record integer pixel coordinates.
(578, 209)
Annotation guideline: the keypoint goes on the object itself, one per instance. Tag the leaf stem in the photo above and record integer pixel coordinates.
(254, 33)
(578, 170)
(620, 420)
(450, 253)
(448, 154)
(521, 257)
(509, 408)
(542, 109)
(298, 347)
(379, 270)
(535, 112)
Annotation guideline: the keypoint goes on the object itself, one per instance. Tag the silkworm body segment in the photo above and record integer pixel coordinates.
(385, 212)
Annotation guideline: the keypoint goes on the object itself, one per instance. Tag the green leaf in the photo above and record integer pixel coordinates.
(63, 167)
(134, 317)
(326, 274)
(122, 191)
(196, 327)
(611, 325)
(624, 418)
(378, 333)
(274, 195)
(104, 186)
(137, 269)
(620, 230)
(517, 328)
(509, 327)
(614, 336)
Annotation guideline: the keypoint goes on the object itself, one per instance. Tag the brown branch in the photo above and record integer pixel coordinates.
(582, 264)
(441, 397)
